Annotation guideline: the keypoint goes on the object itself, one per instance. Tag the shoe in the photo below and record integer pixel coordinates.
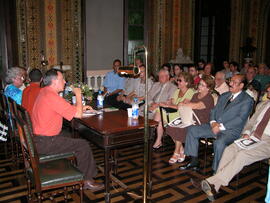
(157, 146)
(176, 158)
(190, 166)
(92, 185)
(208, 189)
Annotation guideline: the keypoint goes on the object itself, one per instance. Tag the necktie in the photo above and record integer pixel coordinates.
(263, 123)
(229, 101)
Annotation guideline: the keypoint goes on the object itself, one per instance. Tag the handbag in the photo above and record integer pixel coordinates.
(185, 119)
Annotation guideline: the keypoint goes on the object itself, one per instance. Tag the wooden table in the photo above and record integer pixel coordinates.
(114, 130)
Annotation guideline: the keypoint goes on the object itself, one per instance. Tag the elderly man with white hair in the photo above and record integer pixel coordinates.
(161, 91)
(220, 84)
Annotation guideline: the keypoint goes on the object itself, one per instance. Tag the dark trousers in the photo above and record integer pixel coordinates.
(194, 133)
(61, 144)
(112, 101)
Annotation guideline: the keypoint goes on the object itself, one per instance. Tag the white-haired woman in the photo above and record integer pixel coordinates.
(15, 77)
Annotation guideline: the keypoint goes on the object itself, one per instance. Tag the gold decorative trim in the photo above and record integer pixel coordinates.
(50, 31)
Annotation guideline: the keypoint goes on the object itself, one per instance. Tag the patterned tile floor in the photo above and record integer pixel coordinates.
(169, 183)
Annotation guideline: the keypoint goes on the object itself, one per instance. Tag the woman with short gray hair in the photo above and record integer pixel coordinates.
(15, 77)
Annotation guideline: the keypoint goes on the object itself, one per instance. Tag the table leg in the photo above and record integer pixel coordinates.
(107, 174)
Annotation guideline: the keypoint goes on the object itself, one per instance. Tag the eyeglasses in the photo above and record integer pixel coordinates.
(235, 82)
(179, 80)
(22, 78)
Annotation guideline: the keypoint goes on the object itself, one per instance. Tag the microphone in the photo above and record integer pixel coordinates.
(127, 70)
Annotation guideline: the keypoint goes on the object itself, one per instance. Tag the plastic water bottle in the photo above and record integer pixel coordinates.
(135, 108)
(100, 100)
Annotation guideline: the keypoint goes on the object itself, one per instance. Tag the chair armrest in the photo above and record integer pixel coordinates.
(69, 155)
(168, 109)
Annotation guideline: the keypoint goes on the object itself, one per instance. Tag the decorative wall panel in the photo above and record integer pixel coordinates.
(52, 26)
(50, 31)
(22, 32)
(33, 33)
(171, 28)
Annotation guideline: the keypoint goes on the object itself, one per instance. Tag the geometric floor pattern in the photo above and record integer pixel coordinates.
(169, 183)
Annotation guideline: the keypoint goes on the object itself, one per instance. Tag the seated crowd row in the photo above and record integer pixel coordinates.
(223, 105)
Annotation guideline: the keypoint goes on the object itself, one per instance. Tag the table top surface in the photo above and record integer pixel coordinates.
(114, 122)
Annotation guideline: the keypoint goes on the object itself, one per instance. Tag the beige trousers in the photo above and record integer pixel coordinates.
(234, 159)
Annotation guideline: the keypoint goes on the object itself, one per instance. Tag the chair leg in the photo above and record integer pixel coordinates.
(205, 155)
(29, 188)
(81, 193)
(39, 197)
(65, 194)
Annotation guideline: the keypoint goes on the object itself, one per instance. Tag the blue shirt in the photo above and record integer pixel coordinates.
(14, 93)
(113, 82)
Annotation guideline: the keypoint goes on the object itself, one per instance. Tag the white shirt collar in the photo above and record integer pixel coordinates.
(235, 95)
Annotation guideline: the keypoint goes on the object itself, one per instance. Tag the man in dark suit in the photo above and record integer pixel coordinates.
(227, 120)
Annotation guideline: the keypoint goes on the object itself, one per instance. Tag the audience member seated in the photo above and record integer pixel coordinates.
(235, 158)
(267, 91)
(113, 84)
(201, 64)
(220, 83)
(47, 118)
(250, 75)
(208, 69)
(245, 68)
(227, 120)
(15, 77)
(234, 66)
(262, 75)
(202, 102)
(184, 93)
(137, 88)
(31, 92)
(195, 74)
(168, 67)
(160, 92)
(226, 67)
(177, 69)
(253, 86)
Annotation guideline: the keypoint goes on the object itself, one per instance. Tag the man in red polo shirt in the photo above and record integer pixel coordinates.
(47, 117)
(31, 92)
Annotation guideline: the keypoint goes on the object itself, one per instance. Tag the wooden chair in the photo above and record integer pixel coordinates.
(49, 175)
(13, 133)
(24, 115)
(4, 120)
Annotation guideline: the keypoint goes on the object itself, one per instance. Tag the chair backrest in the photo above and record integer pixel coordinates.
(3, 103)
(30, 155)
(24, 115)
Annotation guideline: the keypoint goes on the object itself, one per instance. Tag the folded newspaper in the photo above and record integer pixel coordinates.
(248, 143)
(175, 122)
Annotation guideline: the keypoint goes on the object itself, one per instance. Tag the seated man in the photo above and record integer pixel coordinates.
(254, 86)
(220, 81)
(195, 74)
(31, 92)
(47, 118)
(136, 88)
(160, 92)
(235, 158)
(113, 84)
(227, 120)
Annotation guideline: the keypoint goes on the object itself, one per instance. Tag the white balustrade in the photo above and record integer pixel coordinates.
(95, 79)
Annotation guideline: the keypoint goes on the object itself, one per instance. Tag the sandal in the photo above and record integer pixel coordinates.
(181, 159)
(174, 158)
(157, 146)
